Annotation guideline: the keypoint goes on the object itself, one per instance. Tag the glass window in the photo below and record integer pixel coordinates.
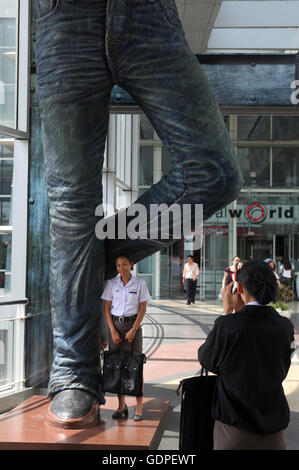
(146, 129)
(6, 167)
(255, 165)
(6, 354)
(286, 127)
(146, 166)
(6, 173)
(148, 280)
(285, 167)
(253, 127)
(5, 263)
(5, 212)
(145, 266)
(8, 61)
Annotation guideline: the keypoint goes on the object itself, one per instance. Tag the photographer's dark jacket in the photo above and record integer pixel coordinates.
(251, 353)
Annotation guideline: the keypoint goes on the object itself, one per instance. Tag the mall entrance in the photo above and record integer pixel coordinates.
(257, 245)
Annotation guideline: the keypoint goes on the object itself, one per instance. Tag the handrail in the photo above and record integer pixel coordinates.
(14, 302)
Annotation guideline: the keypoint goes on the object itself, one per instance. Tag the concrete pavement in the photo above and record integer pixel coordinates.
(172, 333)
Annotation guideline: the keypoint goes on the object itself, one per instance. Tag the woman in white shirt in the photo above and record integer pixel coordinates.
(286, 272)
(125, 299)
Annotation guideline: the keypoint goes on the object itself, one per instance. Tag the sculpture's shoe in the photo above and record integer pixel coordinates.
(73, 409)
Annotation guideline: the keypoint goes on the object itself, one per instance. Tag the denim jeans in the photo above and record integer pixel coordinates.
(84, 47)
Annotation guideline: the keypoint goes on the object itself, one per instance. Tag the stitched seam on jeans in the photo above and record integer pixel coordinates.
(51, 13)
(66, 384)
(170, 19)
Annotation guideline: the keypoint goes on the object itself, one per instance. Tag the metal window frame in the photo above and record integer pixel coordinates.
(12, 309)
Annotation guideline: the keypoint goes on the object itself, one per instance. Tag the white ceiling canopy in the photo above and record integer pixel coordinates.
(198, 17)
(241, 25)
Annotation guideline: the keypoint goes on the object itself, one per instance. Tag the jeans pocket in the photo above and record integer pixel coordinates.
(170, 11)
(48, 8)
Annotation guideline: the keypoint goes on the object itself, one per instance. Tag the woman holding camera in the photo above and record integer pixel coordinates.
(250, 351)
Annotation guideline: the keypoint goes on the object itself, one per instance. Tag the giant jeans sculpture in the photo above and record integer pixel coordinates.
(84, 47)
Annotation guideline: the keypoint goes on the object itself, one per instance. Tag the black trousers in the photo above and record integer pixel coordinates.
(191, 289)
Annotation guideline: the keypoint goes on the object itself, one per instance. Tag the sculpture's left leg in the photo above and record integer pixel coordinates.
(74, 85)
(150, 57)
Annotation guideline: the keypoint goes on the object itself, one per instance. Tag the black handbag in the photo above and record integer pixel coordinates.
(196, 422)
(123, 373)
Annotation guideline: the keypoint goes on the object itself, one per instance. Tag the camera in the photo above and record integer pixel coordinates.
(234, 288)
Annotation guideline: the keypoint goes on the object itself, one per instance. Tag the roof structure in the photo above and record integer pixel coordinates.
(241, 26)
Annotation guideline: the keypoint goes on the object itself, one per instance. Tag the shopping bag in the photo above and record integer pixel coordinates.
(196, 422)
(123, 372)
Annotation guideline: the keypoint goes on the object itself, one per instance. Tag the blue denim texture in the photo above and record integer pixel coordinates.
(84, 47)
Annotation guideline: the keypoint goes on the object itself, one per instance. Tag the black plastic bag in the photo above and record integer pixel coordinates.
(123, 373)
(196, 422)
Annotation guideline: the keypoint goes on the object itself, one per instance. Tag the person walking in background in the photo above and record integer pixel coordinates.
(286, 270)
(230, 272)
(125, 299)
(273, 267)
(190, 275)
(249, 407)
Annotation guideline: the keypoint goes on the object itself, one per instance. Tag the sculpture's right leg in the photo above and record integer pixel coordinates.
(74, 87)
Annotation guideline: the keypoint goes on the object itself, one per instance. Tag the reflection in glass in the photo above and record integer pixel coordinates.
(145, 266)
(5, 263)
(146, 129)
(6, 174)
(286, 127)
(255, 165)
(5, 212)
(148, 280)
(6, 354)
(253, 127)
(6, 168)
(8, 61)
(146, 166)
(285, 167)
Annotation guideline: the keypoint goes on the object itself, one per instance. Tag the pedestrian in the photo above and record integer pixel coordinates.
(230, 272)
(286, 272)
(273, 267)
(125, 299)
(83, 49)
(190, 275)
(249, 406)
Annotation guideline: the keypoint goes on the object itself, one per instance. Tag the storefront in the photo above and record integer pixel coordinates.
(264, 221)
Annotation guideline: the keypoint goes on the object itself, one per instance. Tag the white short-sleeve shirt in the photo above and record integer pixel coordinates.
(126, 299)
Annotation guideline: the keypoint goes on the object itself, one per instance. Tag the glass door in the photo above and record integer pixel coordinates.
(255, 245)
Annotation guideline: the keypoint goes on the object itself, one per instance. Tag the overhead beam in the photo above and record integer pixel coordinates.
(239, 80)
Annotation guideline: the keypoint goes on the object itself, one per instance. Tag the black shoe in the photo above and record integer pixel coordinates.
(121, 414)
(193, 301)
(74, 409)
(188, 303)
